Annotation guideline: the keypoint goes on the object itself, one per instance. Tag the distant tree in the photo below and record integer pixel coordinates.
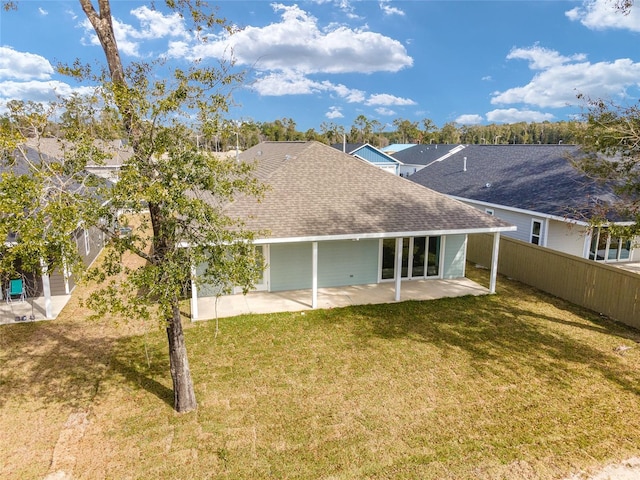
(407, 131)
(428, 127)
(361, 129)
(449, 133)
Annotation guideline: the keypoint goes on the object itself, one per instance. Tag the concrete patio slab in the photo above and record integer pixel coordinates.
(30, 309)
(300, 300)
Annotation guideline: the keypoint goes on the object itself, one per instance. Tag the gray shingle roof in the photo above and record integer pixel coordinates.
(539, 178)
(423, 154)
(318, 191)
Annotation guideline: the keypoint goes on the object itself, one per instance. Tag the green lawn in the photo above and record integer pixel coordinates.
(517, 385)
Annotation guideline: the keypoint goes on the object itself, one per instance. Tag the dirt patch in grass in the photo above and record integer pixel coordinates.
(519, 385)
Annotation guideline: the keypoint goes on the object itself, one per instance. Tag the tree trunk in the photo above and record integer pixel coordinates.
(184, 397)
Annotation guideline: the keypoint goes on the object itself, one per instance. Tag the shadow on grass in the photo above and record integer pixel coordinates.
(509, 330)
(42, 361)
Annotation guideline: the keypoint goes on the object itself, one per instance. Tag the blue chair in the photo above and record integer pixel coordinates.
(16, 290)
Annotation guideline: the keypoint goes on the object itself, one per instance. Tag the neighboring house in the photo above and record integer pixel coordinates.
(117, 153)
(531, 186)
(334, 220)
(89, 241)
(370, 154)
(416, 157)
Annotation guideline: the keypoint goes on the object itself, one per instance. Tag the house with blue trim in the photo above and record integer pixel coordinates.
(371, 154)
(333, 220)
(534, 187)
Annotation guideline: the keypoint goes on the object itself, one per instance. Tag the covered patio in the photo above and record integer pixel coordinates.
(301, 300)
(31, 309)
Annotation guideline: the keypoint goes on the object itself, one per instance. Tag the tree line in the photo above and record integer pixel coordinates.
(223, 135)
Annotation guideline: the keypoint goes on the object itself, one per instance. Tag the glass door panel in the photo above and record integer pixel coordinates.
(388, 258)
(614, 246)
(433, 257)
(625, 251)
(419, 253)
(405, 257)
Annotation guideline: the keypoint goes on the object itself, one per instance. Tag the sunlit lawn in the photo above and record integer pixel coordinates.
(517, 385)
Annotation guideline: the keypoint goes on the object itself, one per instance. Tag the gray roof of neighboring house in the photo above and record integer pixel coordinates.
(538, 178)
(424, 154)
(317, 191)
(347, 147)
(116, 152)
(396, 147)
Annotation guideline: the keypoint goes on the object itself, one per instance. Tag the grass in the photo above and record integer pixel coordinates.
(518, 385)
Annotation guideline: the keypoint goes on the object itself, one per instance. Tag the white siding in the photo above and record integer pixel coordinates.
(566, 238)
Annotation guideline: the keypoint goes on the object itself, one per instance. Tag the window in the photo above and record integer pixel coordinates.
(420, 258)
(536, 231)
(607, 248)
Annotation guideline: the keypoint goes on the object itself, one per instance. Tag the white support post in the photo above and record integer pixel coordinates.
(494, 262)
(194, 294)
(398, 267)
(66, 274)
(545, 238)
(46, 290)
(314, 274)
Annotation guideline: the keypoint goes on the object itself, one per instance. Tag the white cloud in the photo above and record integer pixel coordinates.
(333, 113)
(293, 83)
(386, 99)
(513, 115)
(385, 111)
(45, 92)
(154, 25)
(388, 10)
(542, 58)
(23, 65)
(42, 11)
(298, 43)
(602, 15)
(469, 119)
(561, 79)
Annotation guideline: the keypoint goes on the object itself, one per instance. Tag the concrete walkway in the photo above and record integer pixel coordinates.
(300, 300)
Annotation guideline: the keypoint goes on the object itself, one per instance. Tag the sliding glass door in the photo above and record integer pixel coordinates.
(420, 258)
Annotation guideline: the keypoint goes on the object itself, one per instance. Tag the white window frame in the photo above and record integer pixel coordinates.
(533, 235)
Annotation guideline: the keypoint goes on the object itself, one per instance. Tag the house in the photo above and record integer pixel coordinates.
(115, 153)
(52, 287)
(333, 220)
(534, 187)
(370, 154)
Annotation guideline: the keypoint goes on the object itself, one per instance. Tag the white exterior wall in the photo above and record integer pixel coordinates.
(520, 220)
(567, 238)
(406, 170)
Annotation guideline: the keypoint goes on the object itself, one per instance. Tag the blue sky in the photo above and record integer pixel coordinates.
(322, 61)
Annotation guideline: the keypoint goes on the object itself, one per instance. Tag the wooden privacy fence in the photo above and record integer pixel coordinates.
(605, 289)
